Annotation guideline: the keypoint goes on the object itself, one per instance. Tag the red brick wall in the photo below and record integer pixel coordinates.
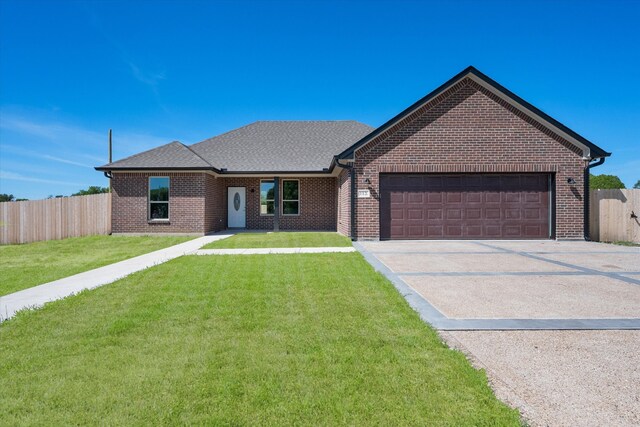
(468, 129)
(215, 204)
(130, 199)
(198, 204)
(344, 203)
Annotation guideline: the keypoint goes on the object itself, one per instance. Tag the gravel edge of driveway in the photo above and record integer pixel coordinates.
(502, 390)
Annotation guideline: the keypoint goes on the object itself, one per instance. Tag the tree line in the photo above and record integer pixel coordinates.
(93, 189)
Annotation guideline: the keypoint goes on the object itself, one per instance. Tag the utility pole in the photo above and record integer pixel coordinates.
(110, 155)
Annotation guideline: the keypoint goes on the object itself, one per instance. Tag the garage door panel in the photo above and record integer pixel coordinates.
(532, 213)
(471, 214)
(472, 206)
(415, 214)
(512, 230)
(492, 231)
(512, 213)
(415, 231)
(434, 197)
(397, 230)
(492, 197)
(473, 231)
(416, 198)
(454, 213)
(474, 197)
(435, 231)
(397, 213)
(492, 213)
(434, 213)
(454, 231)
(512, 197)
(533, 230)
(453, 197)
(531, 197)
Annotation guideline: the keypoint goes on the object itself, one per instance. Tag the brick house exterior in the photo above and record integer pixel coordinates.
(470, 126)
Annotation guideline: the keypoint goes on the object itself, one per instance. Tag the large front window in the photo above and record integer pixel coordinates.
(267, 190)
(158, 197)
(291, 197)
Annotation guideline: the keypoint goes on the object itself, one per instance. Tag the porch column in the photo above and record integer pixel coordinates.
(276, 203)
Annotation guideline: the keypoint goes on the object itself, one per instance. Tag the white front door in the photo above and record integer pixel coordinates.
(237, 207)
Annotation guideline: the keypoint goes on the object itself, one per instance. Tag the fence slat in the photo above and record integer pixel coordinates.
(610, 215)
(35, 220)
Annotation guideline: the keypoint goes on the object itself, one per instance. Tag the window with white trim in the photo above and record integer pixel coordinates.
(290, 197)
(159, 198)
(267, 199)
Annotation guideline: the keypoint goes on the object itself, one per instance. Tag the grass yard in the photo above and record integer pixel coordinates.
(32, 264)
(280, 240)
(239, 340)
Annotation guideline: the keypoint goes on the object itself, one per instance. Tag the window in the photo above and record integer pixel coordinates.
(290, 197)
(267, 191)
(158, 198)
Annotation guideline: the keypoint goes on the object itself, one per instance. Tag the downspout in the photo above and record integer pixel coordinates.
(352, 178)
(108, 174)
(587, 197)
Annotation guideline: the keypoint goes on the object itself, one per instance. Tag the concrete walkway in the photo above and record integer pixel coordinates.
(261, 251)
(58, 289)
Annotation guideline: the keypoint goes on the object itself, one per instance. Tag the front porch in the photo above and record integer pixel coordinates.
(271, 203)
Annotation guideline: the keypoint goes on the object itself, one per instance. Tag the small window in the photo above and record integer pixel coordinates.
(290, 197)
(158, 198)
(267, 190)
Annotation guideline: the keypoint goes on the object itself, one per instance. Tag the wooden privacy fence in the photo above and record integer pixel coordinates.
(51, 219)
(611, 215)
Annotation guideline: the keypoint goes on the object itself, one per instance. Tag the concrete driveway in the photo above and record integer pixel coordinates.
(556, 325)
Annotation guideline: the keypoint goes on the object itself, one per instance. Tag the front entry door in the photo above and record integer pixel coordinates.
(237, 207)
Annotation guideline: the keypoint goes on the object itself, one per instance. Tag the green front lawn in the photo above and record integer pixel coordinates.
(239, 340)
(280, 240)
(32, 264)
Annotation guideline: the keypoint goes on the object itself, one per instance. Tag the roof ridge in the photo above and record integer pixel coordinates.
(224, 133)
(196, 154)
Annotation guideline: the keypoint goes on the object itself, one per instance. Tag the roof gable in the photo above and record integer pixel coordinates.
(588, 148)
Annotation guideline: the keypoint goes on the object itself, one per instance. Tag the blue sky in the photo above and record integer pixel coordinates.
(157, 71)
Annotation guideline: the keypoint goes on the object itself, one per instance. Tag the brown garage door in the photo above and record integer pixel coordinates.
(464, 206)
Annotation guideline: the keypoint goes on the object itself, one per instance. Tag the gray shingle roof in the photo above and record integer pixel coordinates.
(171, 155)
(265, 146)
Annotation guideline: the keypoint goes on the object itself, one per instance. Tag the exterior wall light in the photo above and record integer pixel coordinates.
(571, 181)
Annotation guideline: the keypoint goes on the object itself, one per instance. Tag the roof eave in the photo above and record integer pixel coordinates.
(107, 168)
